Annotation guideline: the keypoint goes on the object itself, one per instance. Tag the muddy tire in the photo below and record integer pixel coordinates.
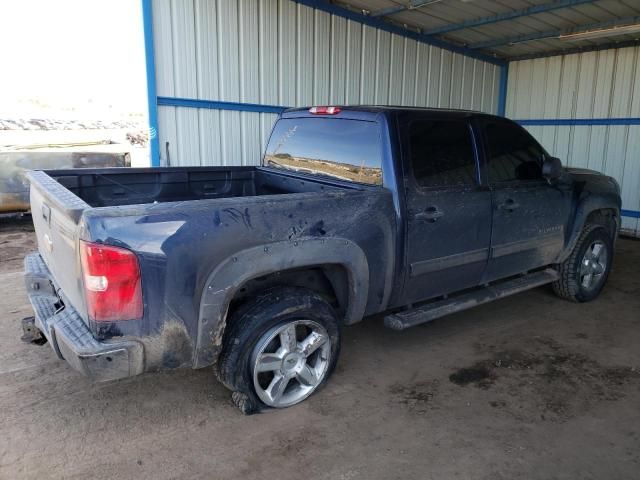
(584, 273)
(281, 347)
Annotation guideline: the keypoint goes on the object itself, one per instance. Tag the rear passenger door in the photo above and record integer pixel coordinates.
(448, 214)
(529, 215)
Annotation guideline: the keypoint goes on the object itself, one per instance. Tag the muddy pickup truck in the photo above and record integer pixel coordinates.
(254, 271)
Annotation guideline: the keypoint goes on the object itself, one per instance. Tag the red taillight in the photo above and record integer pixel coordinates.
(111, 282)
(324, 110)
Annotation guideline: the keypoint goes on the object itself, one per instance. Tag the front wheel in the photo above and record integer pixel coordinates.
(281, 347)
(584, 273)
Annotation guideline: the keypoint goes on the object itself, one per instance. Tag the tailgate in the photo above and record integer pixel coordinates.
(56, 215)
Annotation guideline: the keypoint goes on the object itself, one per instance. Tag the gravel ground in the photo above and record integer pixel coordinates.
(530, 387)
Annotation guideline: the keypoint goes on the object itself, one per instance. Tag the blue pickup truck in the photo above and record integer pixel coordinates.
(355, 211)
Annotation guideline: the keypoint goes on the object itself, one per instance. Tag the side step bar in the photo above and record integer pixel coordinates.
(440, 308)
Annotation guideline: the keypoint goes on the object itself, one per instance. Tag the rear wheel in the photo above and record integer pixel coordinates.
(289, 362)
(281, 347)
(584, 273)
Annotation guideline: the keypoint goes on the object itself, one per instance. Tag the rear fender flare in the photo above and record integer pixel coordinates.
(229, 276)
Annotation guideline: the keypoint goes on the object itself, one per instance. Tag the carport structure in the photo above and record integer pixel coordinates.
(219, 71)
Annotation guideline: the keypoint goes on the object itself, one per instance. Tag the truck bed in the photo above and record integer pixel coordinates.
(119, 186)
(182, 222)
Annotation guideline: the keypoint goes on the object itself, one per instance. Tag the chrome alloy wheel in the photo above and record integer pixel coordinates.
(593, 265)
(290, 361)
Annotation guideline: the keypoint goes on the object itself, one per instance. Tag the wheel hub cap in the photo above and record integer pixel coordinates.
(593, 265)
(290, 361)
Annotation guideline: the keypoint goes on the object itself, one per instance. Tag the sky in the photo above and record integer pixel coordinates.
(72, 58)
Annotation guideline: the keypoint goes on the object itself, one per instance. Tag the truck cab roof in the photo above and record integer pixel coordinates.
(362, 111)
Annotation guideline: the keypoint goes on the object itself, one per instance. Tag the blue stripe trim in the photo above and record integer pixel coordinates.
(502, 93)
(261, 108)
(216, 105)
(563, 122)
(254, 107)
(150, 65)
(391, 28)
(547, 7)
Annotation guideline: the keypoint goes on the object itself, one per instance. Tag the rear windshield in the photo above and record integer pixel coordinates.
(345, 149)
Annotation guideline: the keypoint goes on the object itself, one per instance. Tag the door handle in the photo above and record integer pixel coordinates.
(430, 214)
(46, 213)
(509, 204)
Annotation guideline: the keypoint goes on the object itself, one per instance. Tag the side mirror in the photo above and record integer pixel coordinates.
(551, 168)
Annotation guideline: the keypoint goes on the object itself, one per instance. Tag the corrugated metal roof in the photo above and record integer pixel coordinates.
(506, 37)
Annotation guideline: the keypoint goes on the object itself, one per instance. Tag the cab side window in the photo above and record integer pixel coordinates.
(512, 154)
(442, 153)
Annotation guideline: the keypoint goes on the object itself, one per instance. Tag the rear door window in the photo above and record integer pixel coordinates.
(442, 153)
(332, 147)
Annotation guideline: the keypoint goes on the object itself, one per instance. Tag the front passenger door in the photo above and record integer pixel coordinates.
(529, 215)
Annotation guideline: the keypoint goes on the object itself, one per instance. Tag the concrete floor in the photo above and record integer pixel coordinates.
(528, 387)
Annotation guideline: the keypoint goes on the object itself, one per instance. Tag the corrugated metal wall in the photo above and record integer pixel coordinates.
(278, 52)
(594, 85)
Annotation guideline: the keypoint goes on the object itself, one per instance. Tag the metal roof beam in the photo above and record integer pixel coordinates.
(501, 17)
(412, 5)
(152, 104)
(574, 50)
(554, 33)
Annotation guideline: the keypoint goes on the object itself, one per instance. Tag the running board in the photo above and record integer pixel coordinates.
(440, 308)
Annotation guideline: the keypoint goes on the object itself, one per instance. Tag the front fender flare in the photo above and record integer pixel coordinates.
(224, 281)
(587, 206)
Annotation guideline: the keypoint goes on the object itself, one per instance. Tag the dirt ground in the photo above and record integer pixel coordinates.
(530, 387)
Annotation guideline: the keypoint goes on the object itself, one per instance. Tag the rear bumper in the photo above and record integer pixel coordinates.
(68, 335)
